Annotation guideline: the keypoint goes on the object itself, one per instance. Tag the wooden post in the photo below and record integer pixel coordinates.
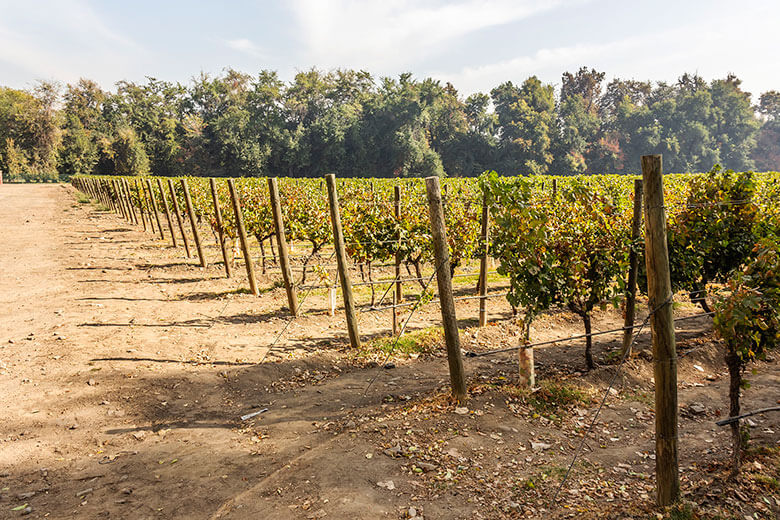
(341, 259)
(220, 232)
(281, 241)
(395, 316)
(194, 224)
(167, 211)
(128, 202)
(483, 266)
(555, 188)
(153, 201)
(177, 211)
(129, 196)
(664, 353)
(444, 281)
(139, 192)
(119, 199)
(633, 268)
(250, 270)
(148, 202)
(399, 295)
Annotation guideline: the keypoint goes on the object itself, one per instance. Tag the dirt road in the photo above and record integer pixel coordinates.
(125, 369)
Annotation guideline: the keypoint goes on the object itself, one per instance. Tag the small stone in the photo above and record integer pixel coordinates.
(27, 510)
(461, 410)
(388, 485)
(126, 491)
(540, 446)
(73, 426)
(426, 466)
(412, 512)
(91, 382)
(25, 496)
(697, 408)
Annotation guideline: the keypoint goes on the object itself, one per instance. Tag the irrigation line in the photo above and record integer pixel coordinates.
(572, 338)
(604, 399)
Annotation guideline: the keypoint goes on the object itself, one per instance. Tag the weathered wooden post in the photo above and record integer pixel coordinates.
(220, 232)
(148, 202)
(250, 270)
(167, 211)
(662, 322)
(444, 281)
(633, 268)
(399, 295)
(191, 213)
(129, 195)
(281, 241)
(153, 201)
(341, 260)
(139, 193)
(177, 211)
(483, 261)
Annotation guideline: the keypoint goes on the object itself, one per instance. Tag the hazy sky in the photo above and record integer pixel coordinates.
(475, 44)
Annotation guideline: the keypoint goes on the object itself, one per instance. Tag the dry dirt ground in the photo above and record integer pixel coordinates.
(125, 370)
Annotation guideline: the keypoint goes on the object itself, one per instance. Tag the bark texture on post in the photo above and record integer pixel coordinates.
(525, 358)
(664, 353)
(250, 269)
(220, 232)
(341, 260)
(444, 281)
(483, 267)
(167, 211)
(633, 268)
(177, 211)
(281, 240)
(193, 223)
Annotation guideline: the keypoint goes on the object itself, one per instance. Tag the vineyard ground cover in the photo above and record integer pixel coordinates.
(122, 385)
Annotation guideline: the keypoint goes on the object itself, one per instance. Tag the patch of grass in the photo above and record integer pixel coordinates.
(681, 512)
(553, 395)
(771, 482)
(419, 342)
(82, 198)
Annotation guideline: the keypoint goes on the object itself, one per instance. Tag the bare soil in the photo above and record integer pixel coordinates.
(125, 369)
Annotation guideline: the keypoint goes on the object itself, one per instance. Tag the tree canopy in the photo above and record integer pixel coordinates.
(352, 124)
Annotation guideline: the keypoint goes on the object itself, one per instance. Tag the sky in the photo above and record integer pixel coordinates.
(474, 44)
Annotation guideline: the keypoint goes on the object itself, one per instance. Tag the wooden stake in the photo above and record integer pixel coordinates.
(220, 232)
(281, 241)
(129, 196)
(177, 211)
(250, 270)
(483, 266)
(167, 211)
(119, 199)
(139, 192)
(341, 259)
(664, 353)
(633, 268)
(193, 223)
(395, 315)
(148, 202)
(153, 200)
(399, 295)
(444, 281)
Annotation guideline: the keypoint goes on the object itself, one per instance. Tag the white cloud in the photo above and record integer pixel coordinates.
(63, 40)
(712, 47)
(244, 45)
(393, 34)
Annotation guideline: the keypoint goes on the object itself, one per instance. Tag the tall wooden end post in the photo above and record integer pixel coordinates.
(341, 260)
(444, 281)
(250, 269)
(664, 353)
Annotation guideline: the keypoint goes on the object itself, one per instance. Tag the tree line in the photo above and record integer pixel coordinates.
(349, 123)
